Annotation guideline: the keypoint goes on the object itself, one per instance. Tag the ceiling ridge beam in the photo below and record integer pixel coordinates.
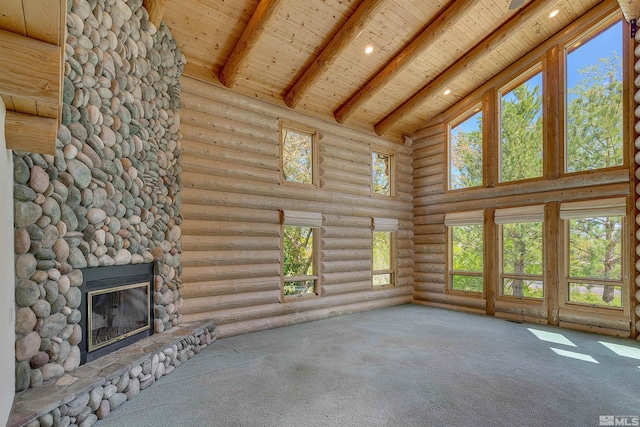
(429, 34)
(363, 15)
(264, 13)
(468, 60)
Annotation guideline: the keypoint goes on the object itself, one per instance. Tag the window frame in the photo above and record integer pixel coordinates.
(313, 132)
(457, 220)
(457, 120)
(566, 279)
(392, 171)
(390, 226)
(501, 274)
(565, 49)
(299, 220)
(537, 68)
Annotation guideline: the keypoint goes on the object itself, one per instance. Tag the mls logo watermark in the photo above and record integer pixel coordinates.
(619, 420)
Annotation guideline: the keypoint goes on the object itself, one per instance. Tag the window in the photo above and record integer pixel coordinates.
(299, 261)
(465, 152)
(381, 168)
(594, 102)
(298, 154)
(521, 270)
(383, 257)
(465, 251)
(521, 131)
(594, 266)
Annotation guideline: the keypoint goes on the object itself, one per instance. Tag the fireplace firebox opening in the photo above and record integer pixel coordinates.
(116, 308)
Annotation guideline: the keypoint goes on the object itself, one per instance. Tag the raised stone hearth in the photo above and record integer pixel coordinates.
(92, 391)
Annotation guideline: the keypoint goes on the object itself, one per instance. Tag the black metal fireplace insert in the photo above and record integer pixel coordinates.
(116, 308)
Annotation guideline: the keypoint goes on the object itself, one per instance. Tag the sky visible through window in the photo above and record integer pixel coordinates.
(604, 44)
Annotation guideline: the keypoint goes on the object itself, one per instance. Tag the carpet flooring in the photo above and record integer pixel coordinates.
(401, 366)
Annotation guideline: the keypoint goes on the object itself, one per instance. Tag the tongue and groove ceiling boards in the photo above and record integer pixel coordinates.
(311, 55)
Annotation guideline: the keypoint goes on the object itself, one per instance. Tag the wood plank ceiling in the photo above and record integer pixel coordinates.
(311, 56)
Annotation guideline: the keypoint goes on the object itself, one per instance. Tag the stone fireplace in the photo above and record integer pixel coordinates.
(108, 198)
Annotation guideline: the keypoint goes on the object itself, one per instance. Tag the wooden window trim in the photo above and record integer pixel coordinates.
(451, 272)
(456, 120)
(392, 172)
(566, 279)
(285, 124)
(532, 71)
(502, 275)
(393, 254)
(316, 267)
(565, 48)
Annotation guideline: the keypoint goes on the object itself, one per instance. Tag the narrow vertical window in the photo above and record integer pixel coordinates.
(594, 102)
(383, 258)
(521, 271)
(593, 253)
(465, 152)
(381, 173)
(297, 154)
(465, 249)
(521, 131)
(299, 253)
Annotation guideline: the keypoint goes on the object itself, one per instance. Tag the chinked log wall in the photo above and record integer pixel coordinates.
(231, 203)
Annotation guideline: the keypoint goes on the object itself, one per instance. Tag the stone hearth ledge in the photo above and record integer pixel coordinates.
(75, 394)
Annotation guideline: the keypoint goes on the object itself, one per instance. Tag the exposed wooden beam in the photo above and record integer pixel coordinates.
(30, 68)
(340, 41)
(156, 10)
(35, 134)
(418, 45)
(471, 58)
(263, 14)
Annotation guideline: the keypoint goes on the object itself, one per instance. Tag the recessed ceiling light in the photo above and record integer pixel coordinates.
(447, 91)
(554, 13)
(368, 49)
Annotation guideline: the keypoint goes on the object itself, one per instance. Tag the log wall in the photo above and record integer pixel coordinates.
(231, 203)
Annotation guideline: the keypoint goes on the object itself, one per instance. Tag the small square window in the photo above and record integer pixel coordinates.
(298, 155)
(381, 173)
(465, 152)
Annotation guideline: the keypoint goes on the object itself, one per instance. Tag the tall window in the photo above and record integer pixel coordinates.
(594, 102)
(299, 243)
(465, 152)
(521, 131)
(465, 250)
(593, 252)
(298, 154)
(521, 271)
(381, 168)
(383, 251)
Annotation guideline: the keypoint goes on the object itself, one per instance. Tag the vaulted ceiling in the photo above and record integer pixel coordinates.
(310, 54)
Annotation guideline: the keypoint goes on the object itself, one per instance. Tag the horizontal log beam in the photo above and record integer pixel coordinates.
(255, 28)
(30, 133)
(400, 62)
(347, 34)
(468, 60)
(30, 68)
